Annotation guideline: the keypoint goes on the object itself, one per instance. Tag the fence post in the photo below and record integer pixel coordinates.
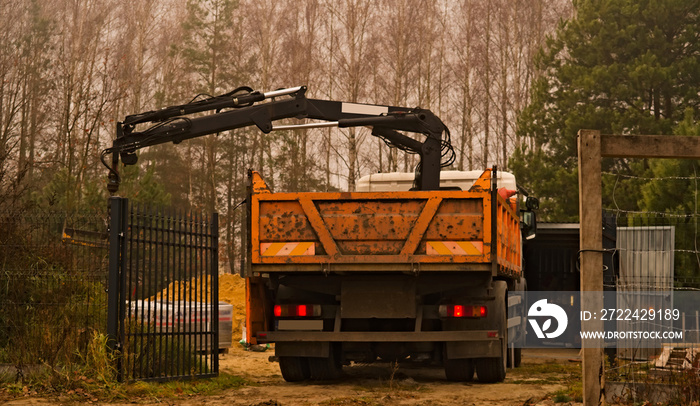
(591, 214)
(117, 213)
(683, 326)
(215, 289)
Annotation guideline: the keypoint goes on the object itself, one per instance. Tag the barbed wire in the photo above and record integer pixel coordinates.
(651, 178)
(639, 286)
(687, 251)
(679, 250)
(631, 364)
(657, 213)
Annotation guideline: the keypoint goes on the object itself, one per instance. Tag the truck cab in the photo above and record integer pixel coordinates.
(449, 180)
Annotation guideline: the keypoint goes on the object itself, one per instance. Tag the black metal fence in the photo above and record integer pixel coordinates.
(53, 274)
(163, 302)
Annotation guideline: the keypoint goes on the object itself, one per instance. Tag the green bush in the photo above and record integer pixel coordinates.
(149, 354)
(52, 294)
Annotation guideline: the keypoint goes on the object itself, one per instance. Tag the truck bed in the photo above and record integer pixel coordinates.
(415, 231)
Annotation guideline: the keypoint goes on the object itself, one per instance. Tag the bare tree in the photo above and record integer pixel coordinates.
(268, 15)
(84, 86)
(33, 68)
(503, 85)
(464, 69)
(353, 53)
(399, 54)
(485, 76)
(69, 68)
(11, 98)
(207, 38)
(299, 65)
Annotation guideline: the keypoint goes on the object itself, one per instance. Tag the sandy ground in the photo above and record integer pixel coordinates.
(373, 385)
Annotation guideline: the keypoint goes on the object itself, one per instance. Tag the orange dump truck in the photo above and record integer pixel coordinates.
(387, 273)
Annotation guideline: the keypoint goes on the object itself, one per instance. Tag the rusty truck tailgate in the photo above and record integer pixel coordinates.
(383, 231)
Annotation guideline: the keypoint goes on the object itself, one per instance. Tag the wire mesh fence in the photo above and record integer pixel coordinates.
(655, 251)
(657, 255)
(53, 273)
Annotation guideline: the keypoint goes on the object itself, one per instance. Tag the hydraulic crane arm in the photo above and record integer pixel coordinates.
(243, 109)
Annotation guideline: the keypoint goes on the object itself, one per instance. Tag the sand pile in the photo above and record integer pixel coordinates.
(195, 289)
(231, 291)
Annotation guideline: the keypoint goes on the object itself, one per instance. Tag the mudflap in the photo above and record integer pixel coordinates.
(493, 369)
(258, 309)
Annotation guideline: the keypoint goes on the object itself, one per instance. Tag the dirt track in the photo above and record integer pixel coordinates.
(380, 384)
(375, 384)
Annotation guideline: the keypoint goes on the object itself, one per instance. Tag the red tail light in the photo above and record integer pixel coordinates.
(297, 310)
(462, 311)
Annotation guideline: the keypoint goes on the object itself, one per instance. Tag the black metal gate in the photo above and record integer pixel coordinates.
(163, 293)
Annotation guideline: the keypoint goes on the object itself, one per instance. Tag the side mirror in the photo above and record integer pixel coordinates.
(532, 203)
(528, 224)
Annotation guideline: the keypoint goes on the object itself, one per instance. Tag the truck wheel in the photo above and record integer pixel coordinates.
(294, 369)
(520, 334)
(518, 357)
(491, 370)
(324, 369)
(459, 370)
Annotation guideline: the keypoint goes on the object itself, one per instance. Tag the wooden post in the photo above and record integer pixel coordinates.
(591, 148)
(591, 217)
(650, 146)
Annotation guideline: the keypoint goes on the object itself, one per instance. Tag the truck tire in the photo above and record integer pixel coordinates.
(518, 358)
(325, 369)
(520, 337)
(491, 370)
(459, 370)
(294, 369)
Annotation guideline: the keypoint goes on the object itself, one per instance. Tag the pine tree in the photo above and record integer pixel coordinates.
(621, 67)
(207, 50)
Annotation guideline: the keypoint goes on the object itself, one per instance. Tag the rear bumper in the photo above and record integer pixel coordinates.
(485, 336)
(457, 344)
(407, 267)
